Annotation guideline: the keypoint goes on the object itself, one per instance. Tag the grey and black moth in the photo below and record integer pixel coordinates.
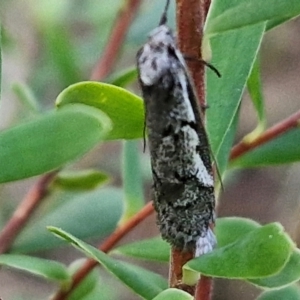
(180, 155)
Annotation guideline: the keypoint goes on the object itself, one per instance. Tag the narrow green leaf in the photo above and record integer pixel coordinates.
(260, 253)
(284, 149)
(173, 294)
(289, 274)
(143, 282)
(125, 109)
(255, 91)
(61, 53)
(149, 249)
(48, 269)
(247, 13)
(123, 78)
(80, 180)
(89, 214)
(26, 97)
(132, 179)
(50, 141)
(224, 94)
(288, 293)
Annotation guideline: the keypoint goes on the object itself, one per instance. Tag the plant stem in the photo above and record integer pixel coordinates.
(122, 22)
(177, 260)
(190, 22)
(204, 288)
(23, 212)
(289, 123)
(191, 16)
(106, 246)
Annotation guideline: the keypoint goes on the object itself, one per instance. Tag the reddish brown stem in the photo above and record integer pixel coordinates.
(117, 36)
(106, 246)
(21, 215)
(190, 16)
(273, 132)
(177, 260)
(204, 288)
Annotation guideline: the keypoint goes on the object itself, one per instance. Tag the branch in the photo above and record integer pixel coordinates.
(177, 260)
(117, 36)
(204, 288)
(23, 212)
(106, 246)
(270, 134)
(191, 16)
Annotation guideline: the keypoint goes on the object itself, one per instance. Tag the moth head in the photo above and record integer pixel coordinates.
(153, 59)
(161, 35)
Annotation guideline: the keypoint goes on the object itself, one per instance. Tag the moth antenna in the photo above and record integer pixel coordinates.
(164, 17)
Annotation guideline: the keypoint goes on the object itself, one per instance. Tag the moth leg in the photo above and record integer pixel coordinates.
(214, 69)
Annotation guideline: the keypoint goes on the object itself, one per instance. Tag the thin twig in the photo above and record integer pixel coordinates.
(204, 288)
(106, 246)
(117, 36)
(177, 260)
(23, 212)
(190, 22)
(273, 132)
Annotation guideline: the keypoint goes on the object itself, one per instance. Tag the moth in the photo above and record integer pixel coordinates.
(180, 154)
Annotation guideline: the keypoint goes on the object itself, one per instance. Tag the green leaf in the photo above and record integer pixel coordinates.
(45, 268)
(80, 180)
(61, 54)
(149, 249)
(246, 13)
(288, 293)
(284, 149)
(50, 141)
(289, 274)
(87, 285)
(260, 253)
(125, 109)
(132, 179)
(89, 214)
(230, 229)
(124, 78)
(26, 97)
(224, 94)
(255, 91)
(173, 294)
(143, 282)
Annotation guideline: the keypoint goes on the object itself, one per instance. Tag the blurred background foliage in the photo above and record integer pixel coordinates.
(50, 44)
